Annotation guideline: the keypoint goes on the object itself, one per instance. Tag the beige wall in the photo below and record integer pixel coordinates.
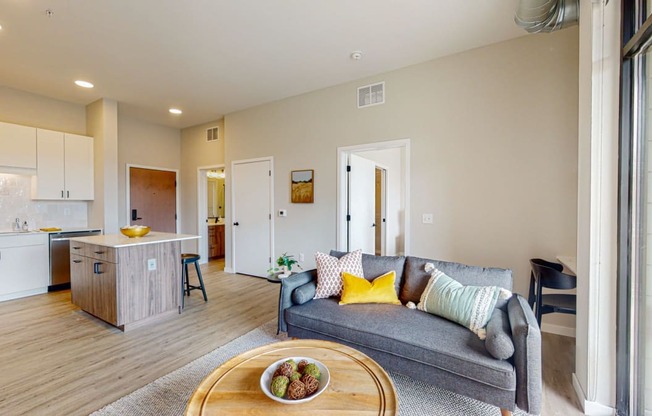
(146, 145)
(494, 153)
(20, 107)
(196, 152)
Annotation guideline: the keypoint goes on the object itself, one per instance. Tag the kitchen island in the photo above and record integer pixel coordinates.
(127, 282)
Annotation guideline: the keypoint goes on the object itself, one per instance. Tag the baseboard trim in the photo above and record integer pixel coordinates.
(590, 408)
(558, 329)
(228, 270)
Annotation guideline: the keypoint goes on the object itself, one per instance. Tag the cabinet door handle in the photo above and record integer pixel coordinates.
(76, 248)
(98, 252)
(76, 261)
(96, 268)
(67, 194)
(62, 193)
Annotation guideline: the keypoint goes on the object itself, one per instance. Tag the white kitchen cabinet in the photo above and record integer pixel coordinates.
(18, 144)
(24, 260)
(64, 166)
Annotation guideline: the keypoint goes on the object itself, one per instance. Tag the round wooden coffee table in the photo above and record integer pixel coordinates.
(358, 385)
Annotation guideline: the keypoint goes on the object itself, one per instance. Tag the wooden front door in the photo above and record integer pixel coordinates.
(153, 199)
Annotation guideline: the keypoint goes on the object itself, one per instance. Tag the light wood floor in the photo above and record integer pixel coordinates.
(57, 360)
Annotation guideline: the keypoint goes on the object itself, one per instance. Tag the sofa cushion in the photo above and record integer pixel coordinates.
(416, 278)
(499, 336)
(360, 290)
(329, 272)
(410, 334)
(374, 266)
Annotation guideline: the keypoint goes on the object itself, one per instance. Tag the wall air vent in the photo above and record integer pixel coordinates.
(373, 94)
(212, 134)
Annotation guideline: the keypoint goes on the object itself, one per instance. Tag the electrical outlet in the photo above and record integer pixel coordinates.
(427, 218)
(151, 264)
(302, 257)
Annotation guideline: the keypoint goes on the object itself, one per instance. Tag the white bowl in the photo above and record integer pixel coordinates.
(266, 380)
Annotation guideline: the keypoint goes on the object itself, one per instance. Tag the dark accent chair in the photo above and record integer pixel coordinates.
(549, 275)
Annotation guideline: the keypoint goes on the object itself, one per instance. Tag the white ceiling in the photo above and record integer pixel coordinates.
(213, 57)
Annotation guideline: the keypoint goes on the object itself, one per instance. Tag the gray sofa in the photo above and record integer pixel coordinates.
(420, 345)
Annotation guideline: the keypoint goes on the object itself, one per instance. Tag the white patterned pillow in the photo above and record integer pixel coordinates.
(470, 306)
(329, 272)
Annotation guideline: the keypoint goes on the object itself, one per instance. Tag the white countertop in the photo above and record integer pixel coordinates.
(119, 240)
(37, 231)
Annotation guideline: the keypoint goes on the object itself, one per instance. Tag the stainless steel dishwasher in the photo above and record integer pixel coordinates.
(60, 257)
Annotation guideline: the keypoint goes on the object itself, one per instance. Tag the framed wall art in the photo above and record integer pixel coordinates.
(302, 186)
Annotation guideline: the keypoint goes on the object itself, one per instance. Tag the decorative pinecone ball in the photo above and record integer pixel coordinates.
(285, 369)
(311, 383)
(301, 365)
(313, 370)
(296, 390)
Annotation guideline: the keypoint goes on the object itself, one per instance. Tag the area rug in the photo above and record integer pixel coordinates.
(168, 395)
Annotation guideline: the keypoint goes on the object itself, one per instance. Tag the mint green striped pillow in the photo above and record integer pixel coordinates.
(470, 306)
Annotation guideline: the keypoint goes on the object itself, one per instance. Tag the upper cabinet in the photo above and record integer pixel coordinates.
(18, 144)
(64, 166)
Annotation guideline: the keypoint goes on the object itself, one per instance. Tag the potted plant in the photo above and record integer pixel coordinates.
(284, 265)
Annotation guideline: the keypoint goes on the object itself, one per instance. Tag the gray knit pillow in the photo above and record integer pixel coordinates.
(499, 336)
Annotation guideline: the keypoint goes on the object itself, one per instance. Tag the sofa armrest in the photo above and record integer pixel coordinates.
(285, 296)
(527, 354)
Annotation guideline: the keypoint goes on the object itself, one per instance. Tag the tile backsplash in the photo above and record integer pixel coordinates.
(16, 202)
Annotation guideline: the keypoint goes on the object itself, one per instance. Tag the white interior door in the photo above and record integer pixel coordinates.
(252, 217)
(362, 189)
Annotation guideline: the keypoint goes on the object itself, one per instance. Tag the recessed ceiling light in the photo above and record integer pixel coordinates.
(175, 111)
(84, 84)
(356, 55)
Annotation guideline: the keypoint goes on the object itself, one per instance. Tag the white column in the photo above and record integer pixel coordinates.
(594, 379)
(102, 124)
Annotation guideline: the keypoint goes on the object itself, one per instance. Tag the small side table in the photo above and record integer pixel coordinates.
(273, 278)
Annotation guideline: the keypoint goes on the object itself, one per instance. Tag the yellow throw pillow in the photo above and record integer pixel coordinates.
(360, 290)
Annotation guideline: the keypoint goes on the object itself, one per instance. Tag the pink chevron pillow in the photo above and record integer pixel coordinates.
(329, 272)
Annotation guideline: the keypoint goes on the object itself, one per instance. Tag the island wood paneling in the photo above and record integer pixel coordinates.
(144, 293)
(116, 285)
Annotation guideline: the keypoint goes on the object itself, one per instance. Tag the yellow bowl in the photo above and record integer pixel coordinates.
(139, 231)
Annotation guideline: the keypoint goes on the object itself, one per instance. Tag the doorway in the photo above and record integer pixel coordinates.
(211, 213)
(380, 210)
(152, 198)
(366, 218)
(252, 228)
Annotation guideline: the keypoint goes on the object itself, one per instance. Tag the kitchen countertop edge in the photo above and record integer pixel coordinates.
(119, 240)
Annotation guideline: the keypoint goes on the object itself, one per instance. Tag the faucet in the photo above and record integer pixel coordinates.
(16, 225)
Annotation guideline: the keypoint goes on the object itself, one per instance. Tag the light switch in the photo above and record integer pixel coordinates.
(427, 218)
(151, 264)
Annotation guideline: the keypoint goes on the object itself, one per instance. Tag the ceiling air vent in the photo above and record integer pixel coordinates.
(211, 134)
(373, 94)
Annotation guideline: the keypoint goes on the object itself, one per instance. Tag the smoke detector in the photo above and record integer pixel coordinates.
(356, 55)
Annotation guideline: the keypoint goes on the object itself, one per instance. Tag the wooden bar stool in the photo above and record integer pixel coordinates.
(186, 287)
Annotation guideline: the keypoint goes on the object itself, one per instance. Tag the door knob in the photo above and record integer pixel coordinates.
(373, 225)
(236, 223)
